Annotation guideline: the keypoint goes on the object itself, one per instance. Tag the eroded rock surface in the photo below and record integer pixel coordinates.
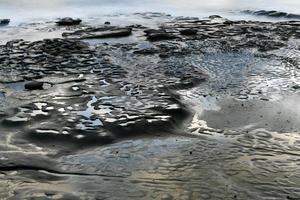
(192, 109)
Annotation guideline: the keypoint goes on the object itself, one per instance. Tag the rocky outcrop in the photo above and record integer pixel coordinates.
(187, 78)
(273, 13)
(68, 21)
(100, 33)
(158, 35)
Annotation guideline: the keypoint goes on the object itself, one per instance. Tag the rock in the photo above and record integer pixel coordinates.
(107, 23)
(296, 87)
(157, 35)
(293, 16)
(34, 85)
(121, 32)
(161, 36)
(68, 22)
(277, 14)
(189, 31)
(4, 22)
(99, 33)
(215, 17)
(264, 99)
(273, 13)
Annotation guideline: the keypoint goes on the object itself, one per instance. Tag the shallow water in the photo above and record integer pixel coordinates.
(24, 10)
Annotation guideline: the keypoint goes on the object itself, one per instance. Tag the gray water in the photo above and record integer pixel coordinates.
(23, 10)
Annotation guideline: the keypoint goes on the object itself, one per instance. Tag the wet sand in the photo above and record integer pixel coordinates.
(176, 108)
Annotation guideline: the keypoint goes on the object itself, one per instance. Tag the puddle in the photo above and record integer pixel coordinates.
(89, 123)
(89, 112)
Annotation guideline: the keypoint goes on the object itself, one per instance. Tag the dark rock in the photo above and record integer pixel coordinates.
(34, 85)
(68, 22)
(107, 23)
(215, 17)
(152, 31)
(157, 35)
(161, 36)
(100, 33)
(188, 31)
(272, 13)
(139, 26)
(293, 16)
(261, 12)
(277, 14)
(4, 22)
(296, 87)
(163, 55)
(120, 32)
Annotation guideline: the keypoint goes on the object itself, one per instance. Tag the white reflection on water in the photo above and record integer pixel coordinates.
(21, 10)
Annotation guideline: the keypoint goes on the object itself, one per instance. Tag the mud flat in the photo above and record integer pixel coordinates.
(185, 109)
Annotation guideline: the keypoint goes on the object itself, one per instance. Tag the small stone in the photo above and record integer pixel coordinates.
(34, 85)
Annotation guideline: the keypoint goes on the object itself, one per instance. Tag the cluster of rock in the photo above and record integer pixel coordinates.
(273, 13)
(121, 89)
(112, 101)
(264, 36)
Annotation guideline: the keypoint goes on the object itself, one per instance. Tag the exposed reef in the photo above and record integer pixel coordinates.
(189, 109)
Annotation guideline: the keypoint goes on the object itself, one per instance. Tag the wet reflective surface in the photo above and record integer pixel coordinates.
(156, 115)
